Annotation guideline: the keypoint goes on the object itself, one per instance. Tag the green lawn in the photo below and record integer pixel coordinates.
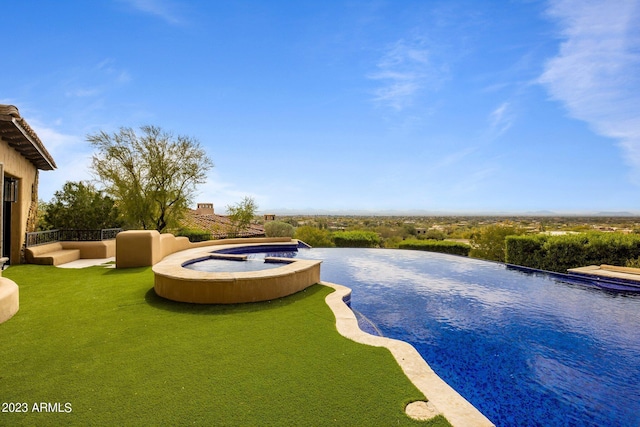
(102, 341)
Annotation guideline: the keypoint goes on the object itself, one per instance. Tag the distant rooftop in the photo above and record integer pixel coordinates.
(204, 218)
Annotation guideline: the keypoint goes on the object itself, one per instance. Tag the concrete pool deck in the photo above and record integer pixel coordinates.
(90, 262)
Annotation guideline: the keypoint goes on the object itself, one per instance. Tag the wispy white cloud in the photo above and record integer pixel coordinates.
(501, 119)
(475, 180)
(404, 70)
(71, 154)
(455, 157)
(82, 92)
(596, 73)
(95, 80)
(109, 68)
(166, 10)
(223, 193)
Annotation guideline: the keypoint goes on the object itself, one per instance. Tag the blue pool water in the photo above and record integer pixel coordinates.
(525, 349)
(231, 266)
(254, 260)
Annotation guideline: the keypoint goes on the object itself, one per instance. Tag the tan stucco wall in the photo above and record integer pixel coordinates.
(144, 248)
(137, 248)
(173, 281)
(51, 253)
(178, 284)
(93, 250)
(8, 299)
(16, 166)
(170, 244)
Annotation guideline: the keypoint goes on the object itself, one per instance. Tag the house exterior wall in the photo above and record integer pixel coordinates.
(17, 166)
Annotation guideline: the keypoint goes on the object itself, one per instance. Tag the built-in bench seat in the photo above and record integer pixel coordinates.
(51, 254)
(63, 252)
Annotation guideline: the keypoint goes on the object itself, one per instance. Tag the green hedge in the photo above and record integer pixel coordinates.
(442, 246)
(356, 239)
(559, 253)
(316, 237)
(194, 235)
(278, 229)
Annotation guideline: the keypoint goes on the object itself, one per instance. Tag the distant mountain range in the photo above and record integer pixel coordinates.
(616, 214)
(420, 212)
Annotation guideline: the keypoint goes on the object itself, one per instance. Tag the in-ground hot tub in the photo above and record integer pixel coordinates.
(175, 278)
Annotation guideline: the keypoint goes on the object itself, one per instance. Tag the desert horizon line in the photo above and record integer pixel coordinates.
(430, 212)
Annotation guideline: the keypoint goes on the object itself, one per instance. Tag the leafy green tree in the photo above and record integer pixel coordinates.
(313, 236)
(153, 176)
(489, 242)
(41, 224)
(80, 206)
(434, 235)
(409, 230)
(278, 229)
(241, 214)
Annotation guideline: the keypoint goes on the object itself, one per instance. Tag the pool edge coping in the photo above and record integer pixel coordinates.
(171, 275)
(168, 266)
(448, 402)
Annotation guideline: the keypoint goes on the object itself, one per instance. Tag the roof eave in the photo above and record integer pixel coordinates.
(23, 139)
(47, 162)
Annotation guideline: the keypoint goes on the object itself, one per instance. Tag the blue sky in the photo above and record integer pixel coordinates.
(441, 106)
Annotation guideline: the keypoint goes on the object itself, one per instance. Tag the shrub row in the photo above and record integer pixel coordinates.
(559, 253)
(356, 239)
(442, 246)
(278, 229)
(316, 237)
(194, 235)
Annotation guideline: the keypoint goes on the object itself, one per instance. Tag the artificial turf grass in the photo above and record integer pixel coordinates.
(102, 340)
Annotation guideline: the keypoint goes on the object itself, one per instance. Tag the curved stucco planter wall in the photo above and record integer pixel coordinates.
(143, 248)
(9, 299)
(174, 282)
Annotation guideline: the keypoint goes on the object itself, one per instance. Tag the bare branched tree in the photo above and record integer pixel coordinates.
(152, 176)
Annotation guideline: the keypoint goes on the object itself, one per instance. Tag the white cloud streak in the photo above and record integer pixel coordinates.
(71, 154)
(501, 119)
(96, 80)
(404, 70)
(596, 73)
(163, 9)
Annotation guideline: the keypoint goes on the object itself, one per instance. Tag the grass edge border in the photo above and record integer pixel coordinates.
(448, 402)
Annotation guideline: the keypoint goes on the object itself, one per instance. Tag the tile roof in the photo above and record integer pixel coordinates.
(20, 136)
(218, 225)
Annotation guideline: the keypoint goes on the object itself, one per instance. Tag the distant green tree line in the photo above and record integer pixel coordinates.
(502, 243)
(321, 237)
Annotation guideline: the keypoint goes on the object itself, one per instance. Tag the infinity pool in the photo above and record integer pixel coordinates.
(525, 349)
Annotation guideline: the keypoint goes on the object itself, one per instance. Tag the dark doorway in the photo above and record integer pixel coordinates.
(6, 229)
(10, 194)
